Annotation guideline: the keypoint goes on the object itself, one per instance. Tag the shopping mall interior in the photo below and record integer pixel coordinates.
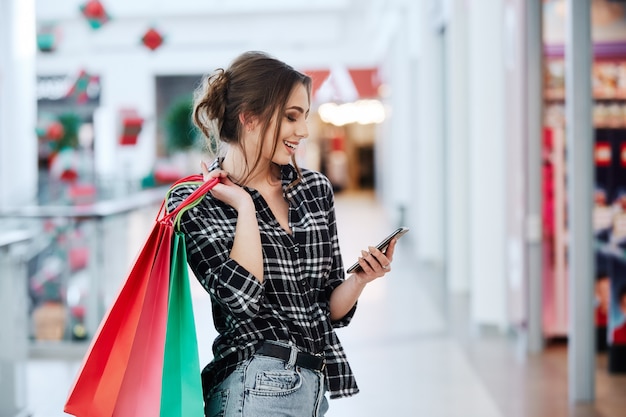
(507, 298)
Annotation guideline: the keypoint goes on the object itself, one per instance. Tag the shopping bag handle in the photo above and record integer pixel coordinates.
(191, 201)
(191, 179)
(195, 179)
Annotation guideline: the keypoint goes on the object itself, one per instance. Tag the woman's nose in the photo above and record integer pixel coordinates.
(303, 130)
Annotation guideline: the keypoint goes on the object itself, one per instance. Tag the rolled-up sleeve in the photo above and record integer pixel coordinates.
(237, 290)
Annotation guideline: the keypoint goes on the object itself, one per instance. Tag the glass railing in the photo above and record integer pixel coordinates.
(78, 258)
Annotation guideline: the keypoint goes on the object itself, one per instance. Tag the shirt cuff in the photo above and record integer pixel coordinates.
(238, 290)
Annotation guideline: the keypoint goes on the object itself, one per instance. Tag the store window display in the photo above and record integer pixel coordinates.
(608, 82)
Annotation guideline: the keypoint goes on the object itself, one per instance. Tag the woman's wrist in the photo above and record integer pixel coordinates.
(359, 281)
(246, 206)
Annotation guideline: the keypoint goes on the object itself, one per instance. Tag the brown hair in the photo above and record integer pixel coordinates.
(255, 84)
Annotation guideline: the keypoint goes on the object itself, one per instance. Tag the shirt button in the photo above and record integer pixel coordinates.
(296, 249)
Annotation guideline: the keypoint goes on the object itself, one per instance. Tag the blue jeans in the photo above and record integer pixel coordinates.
(263, 386)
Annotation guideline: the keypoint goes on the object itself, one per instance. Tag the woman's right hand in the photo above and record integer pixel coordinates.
(226, 190)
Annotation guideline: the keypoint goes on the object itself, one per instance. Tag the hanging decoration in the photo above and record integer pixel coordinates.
(63, 159)
(49, 129)
(152, 39)
(64, 165)
(55, 131)
(80, 88)
(95, 13)
(130, 126)
(47, 37)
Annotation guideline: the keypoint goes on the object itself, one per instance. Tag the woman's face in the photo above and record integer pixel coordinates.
(292, 129)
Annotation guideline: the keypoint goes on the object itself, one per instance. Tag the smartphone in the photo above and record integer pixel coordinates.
(382, 246)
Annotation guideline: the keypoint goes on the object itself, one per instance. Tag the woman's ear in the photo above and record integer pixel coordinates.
(247, 121)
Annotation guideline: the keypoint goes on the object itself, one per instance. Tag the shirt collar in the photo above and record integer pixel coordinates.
(288, 173)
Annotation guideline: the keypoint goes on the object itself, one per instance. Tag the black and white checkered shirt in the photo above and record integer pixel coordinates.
(300, 272)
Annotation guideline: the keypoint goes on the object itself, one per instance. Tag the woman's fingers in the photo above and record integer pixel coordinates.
(365, 262)
(391, 249)
(226, 191)
(380, 258)
(374, 262)
(217, 173)
(205, 171)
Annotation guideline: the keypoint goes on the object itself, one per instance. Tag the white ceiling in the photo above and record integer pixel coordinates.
(312, 33)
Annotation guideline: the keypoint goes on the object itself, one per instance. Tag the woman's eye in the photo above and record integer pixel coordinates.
(291, 118)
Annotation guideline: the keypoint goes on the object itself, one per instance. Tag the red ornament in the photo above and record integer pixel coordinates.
(152, 39)
(94, 10)
(55, 131)
(95, 13)
(69, 175)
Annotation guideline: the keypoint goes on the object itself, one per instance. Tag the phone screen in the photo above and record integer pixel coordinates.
(382, 246)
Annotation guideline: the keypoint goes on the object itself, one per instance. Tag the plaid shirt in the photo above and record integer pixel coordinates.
(301, 270)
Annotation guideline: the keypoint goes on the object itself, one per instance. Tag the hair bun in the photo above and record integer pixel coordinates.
(216, 94)
(210, 105)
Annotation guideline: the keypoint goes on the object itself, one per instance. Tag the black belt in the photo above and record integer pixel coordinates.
(303, 359)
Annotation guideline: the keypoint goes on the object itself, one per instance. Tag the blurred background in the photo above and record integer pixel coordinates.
(446, 116)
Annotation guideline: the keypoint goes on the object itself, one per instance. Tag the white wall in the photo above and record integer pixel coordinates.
(457, 148)
(514, 33)
(427, 123)
(487, 168)
(396, 172)
(18, 142)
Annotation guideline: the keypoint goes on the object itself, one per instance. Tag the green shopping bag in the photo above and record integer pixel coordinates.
(181, 391)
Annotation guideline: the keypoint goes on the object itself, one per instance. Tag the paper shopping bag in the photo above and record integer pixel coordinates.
(141, 386)
(181, 393)
(97, 386)
(123, 372)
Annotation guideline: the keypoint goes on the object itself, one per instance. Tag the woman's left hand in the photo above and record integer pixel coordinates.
(375, 264)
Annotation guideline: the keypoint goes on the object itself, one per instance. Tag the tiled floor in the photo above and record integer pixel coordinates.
(406, 356)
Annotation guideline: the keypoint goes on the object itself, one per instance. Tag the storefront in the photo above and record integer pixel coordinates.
(609, 131)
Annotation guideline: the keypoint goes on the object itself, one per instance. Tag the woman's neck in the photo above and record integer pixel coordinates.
(235, 164)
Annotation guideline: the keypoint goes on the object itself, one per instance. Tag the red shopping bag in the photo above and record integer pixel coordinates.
(143, 373)
(96, 389)
(122, 372)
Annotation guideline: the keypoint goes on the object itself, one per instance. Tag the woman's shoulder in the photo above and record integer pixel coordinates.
(316, 185)
(314, 178)
(179, 192)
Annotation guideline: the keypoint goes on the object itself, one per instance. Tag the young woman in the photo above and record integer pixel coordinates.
(264, 244)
